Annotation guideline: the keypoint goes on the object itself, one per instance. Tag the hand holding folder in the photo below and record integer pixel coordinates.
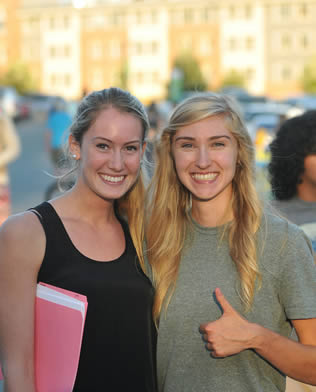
(59, 323)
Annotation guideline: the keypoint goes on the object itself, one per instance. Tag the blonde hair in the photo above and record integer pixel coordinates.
(169, 202)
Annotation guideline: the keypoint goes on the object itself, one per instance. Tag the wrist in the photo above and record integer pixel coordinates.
(258, 337)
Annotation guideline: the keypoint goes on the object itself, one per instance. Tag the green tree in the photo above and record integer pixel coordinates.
(309, 77)
(18, 76)
(233, 78)
(122, 76)
(193, 79)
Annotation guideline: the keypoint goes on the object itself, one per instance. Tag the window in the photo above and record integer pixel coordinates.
(188, 15)
(154, 16)
(66, 22)
(286, 41)
(304, 41)
(67, 51)
(52, 51)
(285, 10)
(303, 10)
(232, 12)
(138, 48)
(248, 11)
(250, 43)
(232, 44)
(67, 80)
(154, 47)
(139, 17)
(52, 23)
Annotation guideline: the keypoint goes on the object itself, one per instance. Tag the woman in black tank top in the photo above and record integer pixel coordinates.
(81, 242)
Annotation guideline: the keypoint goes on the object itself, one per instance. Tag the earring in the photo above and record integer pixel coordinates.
(74, 156)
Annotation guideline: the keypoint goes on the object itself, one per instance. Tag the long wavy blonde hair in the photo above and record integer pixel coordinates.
(168, 202)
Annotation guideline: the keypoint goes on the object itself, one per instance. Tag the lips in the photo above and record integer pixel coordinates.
(204, 176)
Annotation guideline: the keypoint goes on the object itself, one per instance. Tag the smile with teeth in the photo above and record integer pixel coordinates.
(113, 179)
(204, 176)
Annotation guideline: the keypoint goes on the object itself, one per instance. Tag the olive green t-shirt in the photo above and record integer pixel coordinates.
(288, 292)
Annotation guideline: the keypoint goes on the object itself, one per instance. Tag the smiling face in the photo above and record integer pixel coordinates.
(110, 154)
(205, 155)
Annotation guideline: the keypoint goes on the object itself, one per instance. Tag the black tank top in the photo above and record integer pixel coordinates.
(119, 342)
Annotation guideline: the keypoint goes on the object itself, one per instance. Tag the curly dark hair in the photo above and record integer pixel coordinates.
(295, 140)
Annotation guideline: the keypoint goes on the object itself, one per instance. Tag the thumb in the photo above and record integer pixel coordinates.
(225, 305)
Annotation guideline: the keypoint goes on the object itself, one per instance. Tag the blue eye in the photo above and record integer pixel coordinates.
(187, 145)
(131, 148)
(219, 144)
(102, 146)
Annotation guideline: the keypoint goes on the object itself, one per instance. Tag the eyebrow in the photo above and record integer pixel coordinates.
(111, 141)
(210, 138)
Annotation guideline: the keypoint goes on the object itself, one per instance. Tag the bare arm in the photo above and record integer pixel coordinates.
(22, 244)
(232, 334)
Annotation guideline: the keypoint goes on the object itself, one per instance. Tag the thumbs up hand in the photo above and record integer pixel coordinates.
(230, 334)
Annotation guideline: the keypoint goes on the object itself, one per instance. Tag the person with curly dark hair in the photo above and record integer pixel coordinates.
(292, 171)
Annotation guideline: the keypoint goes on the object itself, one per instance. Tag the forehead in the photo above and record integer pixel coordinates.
(112, 123)
(206, 128)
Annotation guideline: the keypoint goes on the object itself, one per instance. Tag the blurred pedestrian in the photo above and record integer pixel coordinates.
(58, 122)
(89, 240)
(229, 287)
(292, 172)
(9, 151)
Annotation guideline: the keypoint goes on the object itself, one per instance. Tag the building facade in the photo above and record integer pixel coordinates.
(75, 46)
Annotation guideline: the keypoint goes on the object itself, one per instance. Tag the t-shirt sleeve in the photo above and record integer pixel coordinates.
(298, 276)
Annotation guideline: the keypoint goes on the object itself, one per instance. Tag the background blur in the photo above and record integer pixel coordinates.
(261, 51)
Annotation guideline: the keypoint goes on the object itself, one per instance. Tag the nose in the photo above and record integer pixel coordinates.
(116, 161)
(203, 159)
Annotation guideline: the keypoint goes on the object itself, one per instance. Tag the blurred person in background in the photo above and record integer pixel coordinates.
(292, 172)
(154, 122)
(9, 151)
(58, 122)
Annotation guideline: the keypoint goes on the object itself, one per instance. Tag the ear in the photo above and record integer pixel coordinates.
(143, 148)
(74, 147)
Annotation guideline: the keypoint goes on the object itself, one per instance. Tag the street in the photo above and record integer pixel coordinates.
(27, 173)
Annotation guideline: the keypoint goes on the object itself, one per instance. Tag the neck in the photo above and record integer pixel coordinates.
(306, 192)
(207, 214)
(87, 207)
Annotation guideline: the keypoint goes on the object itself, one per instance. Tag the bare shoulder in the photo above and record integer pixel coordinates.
(22, 237)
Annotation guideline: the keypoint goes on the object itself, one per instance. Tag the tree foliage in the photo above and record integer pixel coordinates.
(193, 79)
(233, 78)
(122, 76)
(309, 77)
(18, 76)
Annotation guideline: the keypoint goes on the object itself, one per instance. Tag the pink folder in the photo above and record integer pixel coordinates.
(59, 323)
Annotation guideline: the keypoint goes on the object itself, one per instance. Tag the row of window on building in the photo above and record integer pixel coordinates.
(177, 16)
